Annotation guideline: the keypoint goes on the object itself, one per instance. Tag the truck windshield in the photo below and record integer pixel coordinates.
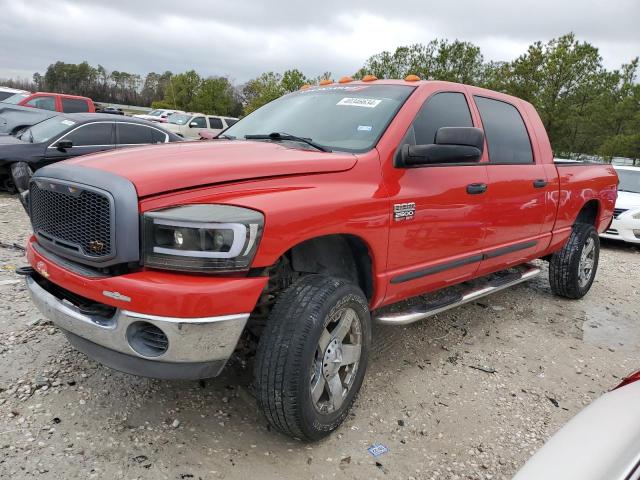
(179, 119)
(46, 130)
(16, 99)
(349, 118)
(629, 180)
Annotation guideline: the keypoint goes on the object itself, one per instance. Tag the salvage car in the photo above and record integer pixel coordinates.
(14, 118)
(56, 102)
(158, 115)
(6, 92)
(67, 136)
(626, 214)
(191, 125)
(602, 442)
(300, 225)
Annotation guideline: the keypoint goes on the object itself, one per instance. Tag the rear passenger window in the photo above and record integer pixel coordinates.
(215, 123)
(130, 134)
(74, 105)
(504, 129)
(93, 134)
(447, 109)
(158, 136)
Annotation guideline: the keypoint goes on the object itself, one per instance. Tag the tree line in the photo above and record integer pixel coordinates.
(585, 108)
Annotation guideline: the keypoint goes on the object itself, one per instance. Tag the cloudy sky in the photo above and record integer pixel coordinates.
(242, 38)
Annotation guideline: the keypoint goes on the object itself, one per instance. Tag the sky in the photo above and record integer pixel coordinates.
(240, 39)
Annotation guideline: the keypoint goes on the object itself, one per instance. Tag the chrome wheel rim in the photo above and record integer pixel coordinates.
(336, 361)
(587, 262)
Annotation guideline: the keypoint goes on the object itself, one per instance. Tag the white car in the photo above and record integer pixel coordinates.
(602, 442)
(626, 215)
(158, 115)
(189, 125)
(6, 92)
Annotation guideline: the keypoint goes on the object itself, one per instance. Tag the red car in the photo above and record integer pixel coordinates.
(57, 102)
(299, 225)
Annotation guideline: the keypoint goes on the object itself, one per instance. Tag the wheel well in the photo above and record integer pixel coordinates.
(344, 256)
(589, 213)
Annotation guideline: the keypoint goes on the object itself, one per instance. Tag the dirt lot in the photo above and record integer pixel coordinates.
(63, 416)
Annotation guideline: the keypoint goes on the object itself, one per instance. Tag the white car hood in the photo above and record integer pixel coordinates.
(602, 442)
(628, 200)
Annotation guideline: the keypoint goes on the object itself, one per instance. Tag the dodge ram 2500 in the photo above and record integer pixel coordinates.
(299, 225)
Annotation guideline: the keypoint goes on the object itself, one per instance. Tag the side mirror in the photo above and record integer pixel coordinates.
(452, 145)
(63, 145)
(193, 125)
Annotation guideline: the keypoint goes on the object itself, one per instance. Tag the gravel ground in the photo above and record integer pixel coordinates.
(62, 416)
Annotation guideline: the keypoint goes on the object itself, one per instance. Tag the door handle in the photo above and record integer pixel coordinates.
(540, 183)
(476, 188)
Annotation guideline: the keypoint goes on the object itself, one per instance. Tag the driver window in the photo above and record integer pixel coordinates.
(198, 122)
(446, 109)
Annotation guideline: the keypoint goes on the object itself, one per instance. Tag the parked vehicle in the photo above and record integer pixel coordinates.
(158, 115)
(67, 136)
(190, 125)
(602, 442)
(14, 118)
(626, 215)
(6, 92)
(56, 102)
(300, 224)
(111, 110)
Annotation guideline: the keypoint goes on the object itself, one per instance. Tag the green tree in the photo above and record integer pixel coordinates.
(216, 95)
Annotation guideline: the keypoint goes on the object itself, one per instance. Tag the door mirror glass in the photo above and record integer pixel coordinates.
(452, 145)
(63, 145)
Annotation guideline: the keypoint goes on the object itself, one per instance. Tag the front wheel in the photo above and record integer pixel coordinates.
(312, 356)
(573, 269)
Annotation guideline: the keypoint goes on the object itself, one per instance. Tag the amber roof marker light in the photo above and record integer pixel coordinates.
(305, 86)
(369, 78)
(345, 79)
(411, 78)
(325, 82)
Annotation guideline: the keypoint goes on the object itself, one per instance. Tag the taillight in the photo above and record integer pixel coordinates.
(634, 377)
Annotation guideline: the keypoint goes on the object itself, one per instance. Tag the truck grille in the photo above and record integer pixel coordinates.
(618, 211)
(73, 219)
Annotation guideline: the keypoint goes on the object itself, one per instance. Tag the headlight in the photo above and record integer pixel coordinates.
(201, 238)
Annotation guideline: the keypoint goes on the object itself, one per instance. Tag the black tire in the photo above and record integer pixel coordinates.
(565, 264)
(21, 174)
(287, 355)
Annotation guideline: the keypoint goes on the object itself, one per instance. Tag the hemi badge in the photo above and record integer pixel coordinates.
(116, 296)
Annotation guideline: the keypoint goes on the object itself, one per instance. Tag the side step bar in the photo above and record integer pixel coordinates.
(486, 288)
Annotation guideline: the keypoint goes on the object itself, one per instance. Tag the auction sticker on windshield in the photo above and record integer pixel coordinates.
(360, 102)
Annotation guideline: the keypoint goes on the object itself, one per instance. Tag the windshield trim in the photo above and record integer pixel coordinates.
(334, 148)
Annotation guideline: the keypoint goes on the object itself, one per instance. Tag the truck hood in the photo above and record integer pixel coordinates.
(174, 166)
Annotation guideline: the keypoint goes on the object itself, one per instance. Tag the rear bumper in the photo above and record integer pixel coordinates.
(196, 347)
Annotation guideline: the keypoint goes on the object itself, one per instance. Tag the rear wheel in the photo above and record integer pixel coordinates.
(573, 269)
(312, 356)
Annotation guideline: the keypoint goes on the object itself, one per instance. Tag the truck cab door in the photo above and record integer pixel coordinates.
(517, 189)
(438, 211)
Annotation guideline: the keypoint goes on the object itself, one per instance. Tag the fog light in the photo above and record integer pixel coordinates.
(146, 339)
(636, 233)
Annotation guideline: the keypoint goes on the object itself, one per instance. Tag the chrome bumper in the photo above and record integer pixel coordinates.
(197, 347)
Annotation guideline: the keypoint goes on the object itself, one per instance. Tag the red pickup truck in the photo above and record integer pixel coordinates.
(56, 102)
(299, 226)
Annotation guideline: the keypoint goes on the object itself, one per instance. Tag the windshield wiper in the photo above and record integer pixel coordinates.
(228, 137)
(286, 136)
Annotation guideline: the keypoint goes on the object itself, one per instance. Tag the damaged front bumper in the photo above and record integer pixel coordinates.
(142, 344)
